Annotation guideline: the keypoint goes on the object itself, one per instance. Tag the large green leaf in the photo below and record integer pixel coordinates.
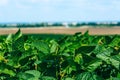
(29, 75)
(99, 49)
(8, 72)
(54, 46)
(105, 54)
(115, 61)
(8, 42)
(85, 49)
(69, 69)
(93, 65)
(5, 69)
(35, 73)
(13, 59)
(25, 76)
(48, 78)
(17, 35)
(115, 42)
(26, 56)
(41, 46)
(118, 75)
(79, 59)
(9, 38)
(113, 78)
(68, 78)
(18, 44)
(88, 76)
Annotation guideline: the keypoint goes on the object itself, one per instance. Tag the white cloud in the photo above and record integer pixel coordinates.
(3, 2)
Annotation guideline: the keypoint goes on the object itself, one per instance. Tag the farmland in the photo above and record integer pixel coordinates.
(80, 56)
(63, 30)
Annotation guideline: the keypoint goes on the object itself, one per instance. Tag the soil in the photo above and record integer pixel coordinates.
(62, 30)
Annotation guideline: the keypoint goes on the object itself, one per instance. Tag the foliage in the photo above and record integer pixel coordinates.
(76, 57)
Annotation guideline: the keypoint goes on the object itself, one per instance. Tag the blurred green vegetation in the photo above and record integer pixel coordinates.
(59, 24)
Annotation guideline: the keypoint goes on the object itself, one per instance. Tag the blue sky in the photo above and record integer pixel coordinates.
(59, 10)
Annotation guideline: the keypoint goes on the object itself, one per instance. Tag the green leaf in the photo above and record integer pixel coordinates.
(88, 76)
(25, 76)
(99, 49)
(115, 42)
(25, 58)
(29, 75)
(93, 65)
(79, 59)
(18, 44)
(114, 78)
(86, 33)
(115, 61)
(54, 46)
(105, 55)
(85, 49)
(26, 46)
(35, 73)
(8, 72)
(118, 75)
(41, 46)
(79, 34)
(17, 35)
(1, 58)
(48, 78)
(9, 38)
(69, 69)
(68, 78)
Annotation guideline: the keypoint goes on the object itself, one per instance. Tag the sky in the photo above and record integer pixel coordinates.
(59, 10)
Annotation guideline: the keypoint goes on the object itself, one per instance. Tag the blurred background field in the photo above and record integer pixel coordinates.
(61, 24)
(60, 16)
(94, 28)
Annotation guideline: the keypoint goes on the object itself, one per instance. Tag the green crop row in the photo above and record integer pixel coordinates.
(76, 57)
